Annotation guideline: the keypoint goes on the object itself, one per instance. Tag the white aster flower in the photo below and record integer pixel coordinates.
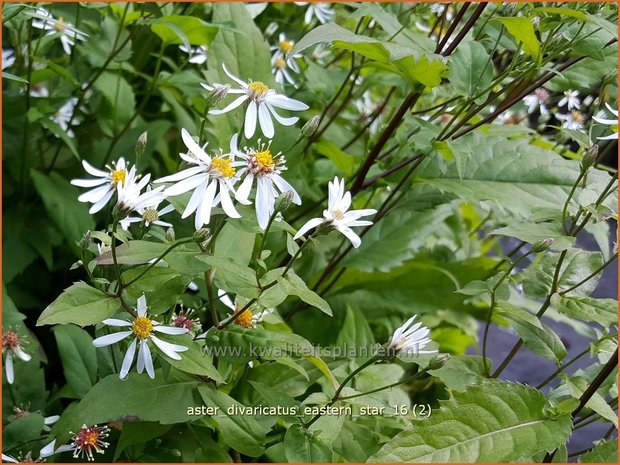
(573, 120)
(68, 33)
(39, 91)
(320, 54)
(264, 167)
(12, 346)
(130, 195)
(84, 443)
(611, 122)
(321, 11)
(64, 116)
(249, 318)
(143, 328)
(538, 99)
(212, 180)
(337, 215)
(571, 99)
(8, 58)
(197, 55)
(438, 9)
(410, 339)
(366, 107)
(187, 319)
(104, 184)
(281, 61)
(261, 106)
(149, 214)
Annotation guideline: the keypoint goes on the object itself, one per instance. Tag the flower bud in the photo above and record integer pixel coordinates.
(438, 361)
(541, 246)
(283, 201)
(170, 235)
(218, 93)
(271, 29)
(201, 235)
(311, 126)
(589, 158)
(86, 240)
(141, 144)
(324, 228)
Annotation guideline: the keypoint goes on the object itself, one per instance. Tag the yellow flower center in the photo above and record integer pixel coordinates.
(150, 215)
(222, 165)
(286, 45)
(577, 116)
(60, 25)
(257, 89)
(264, 159)
(119, 176)
(245, 319)
(142, 327)
(280, 63)
(337, 214)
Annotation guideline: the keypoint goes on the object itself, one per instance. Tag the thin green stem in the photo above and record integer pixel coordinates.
(389, 386)
(160, 258)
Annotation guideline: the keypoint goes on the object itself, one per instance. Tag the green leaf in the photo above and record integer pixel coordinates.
(61, 133)
(461, 372)
(193, 360)
(471, 70)
(161, 286)
(80, 304)
(183, 30)
(578, 385)
(237, 245)
(60, 199)
(523, 31)
(355, 331)
(118, 104)
(79, 357)
(138, 398)
(241, 432)
(232, 276)
(601, 311)
(138, 433)
(344, 162)
(494, 422)
(536, 336)
(294, 285)
(274, 397)
(22, 430)
(577, 265)
(532, 233)
(603, 452)
(300, 446)
(562, 12)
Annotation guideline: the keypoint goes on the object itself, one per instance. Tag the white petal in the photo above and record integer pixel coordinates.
(264, 118)
(128, 360)
(192, 145)
(227, 204)
(313, 223)
(90, 169)
(148, 361)
(109, 339)
(7, 458)
(168, 349)
(354, 238)
(21, 354)
(95, 195)
(225, 299)
(170, 330)
(231, 106)
(250, 120)
(167, 209)
(51, 419)
(47, 450)
(181, 174)
(243, 192)
(116, 322)
(194, 200)
(101, 203)
(88, 182)
(8, 368)
(141, 305)
(140, 359)
(285, 187)
(203, 215)
(264, 202)
(186, 185)
(286, 103)
(233, 77)
(281, 119)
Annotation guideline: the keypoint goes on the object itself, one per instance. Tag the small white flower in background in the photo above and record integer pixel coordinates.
(410, 339)
(320, 54)
(104, 184)
(438, 9)
(68, 33)
(12, 345)
(366, 107)
(143, 329)
(571, 99)
(248, 319)
(197, 55)
(337, 215)
(281, 61)
(212, 180)
(261, 106)
(131, 198)
(589, 100)
(510, 117)
(84, 443)
(573, 120)
(39, 91)
(8, 58)
(538, 99)
(610, 122)
(149, 214)
(64, 116)
(321, 11)
(264, 167)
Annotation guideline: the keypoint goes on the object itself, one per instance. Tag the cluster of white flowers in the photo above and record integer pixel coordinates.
(67, 33)
(282, 62)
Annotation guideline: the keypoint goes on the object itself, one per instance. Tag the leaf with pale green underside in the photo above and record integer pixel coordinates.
(495, 422)
(78, 356)
(461, 372)
(300, 446)
(80, 304)
(603, 452)
(601, 311)
(532, 233)
(241, 432)
(578, 385)
(294, 285)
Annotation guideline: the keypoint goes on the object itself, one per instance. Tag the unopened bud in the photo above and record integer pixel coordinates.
(271, 29)
(438, 361)
(120, 211)
(324, 228)
(170, 235)
(86, 240)
(283, 201)
(589, 158)
(541, 246)
(311, 126)
(201, 235)
(141, 144)
(218, 93)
